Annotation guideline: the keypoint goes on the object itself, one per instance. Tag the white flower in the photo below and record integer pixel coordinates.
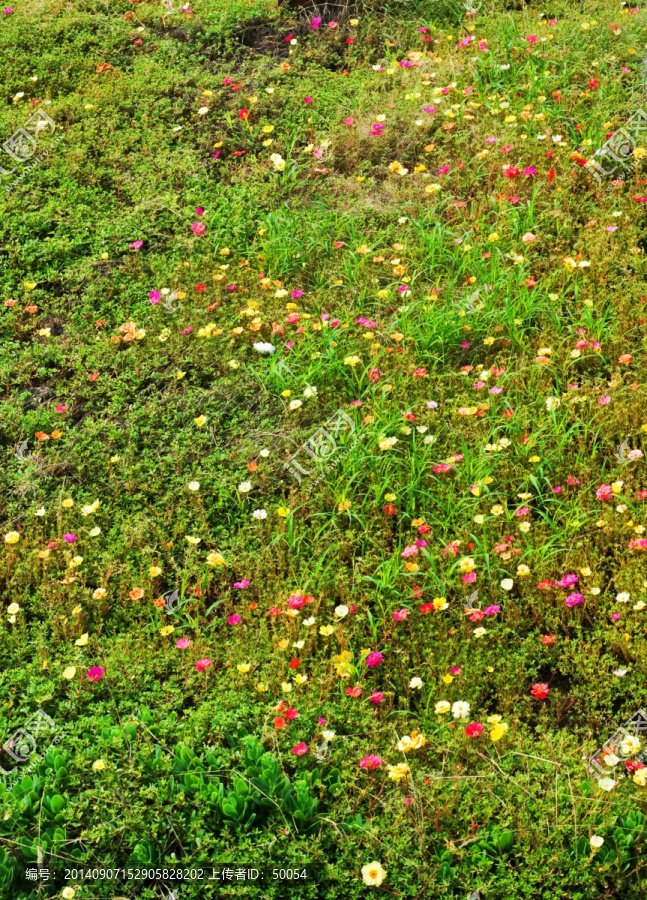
(623, 597)
(41, 511)
(264, 453)
(327, 735)
(203, 110)
(507, 584)
(552, 403)
(460, 709)
(260, 514)
(606, 784)
(310, 392)
(309, 622)
(596, 841)
(479, 632)
(295, 404)
(630, 746)
(194, 485)
(415, 683)
(245, 487)
(279, 162)
(264, 348)
(373, 874)
(341, 611)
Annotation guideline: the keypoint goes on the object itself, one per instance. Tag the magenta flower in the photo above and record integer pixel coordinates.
(155, 296)
(307, 99)
(69, 538)
(234, 620)
(203, 664)
(377, 697)
(574, 599)
(183, 643)
(316, 22)
(136, 245)
(530, 170)
(400, 615)
(198, 228)
(199, 211)
(95, 673)
(374, 659)
(370, 762)
(349, 121)
(241, 585)
(300, 749)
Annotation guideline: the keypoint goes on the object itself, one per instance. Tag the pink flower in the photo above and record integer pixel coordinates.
(136, 245)
(202, 664)
(234, 620)
(182, 643)
(350, 121)
(400, 615)
(95, 673)
(354, 692)
(241, 585)
(374, 659)
(300, 749)
(531, 39)
(604, 492)
(491, 610)
(198, 228)
(469, 578)
(604, 401)
(296, 294)
(615, 616)
(370, 762)
(474, 729)
(332, 24)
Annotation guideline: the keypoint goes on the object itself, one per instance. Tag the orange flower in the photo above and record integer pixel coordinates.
(57, 433)
(159, 602)
(285, 67)
(252, 466)
(136, 594)
(42, 436)
(625, 359)
(31, 309)
(10, 302)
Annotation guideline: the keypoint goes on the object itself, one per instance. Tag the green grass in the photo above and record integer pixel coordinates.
(381, 274)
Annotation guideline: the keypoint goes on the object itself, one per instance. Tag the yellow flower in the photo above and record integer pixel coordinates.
(326, 630)
(440, 603)
(498, 731)
(12, 537)
(261, 688)
(286, 687)
(373, 874)
(98, 594)
(215, 559)
(200, 421)
(68, 893)
(98, 765)
(352, 361)
(168, 629)
(243, 668)
(398, 772)
(385, 443)
(283, 512)
(154, 571)
(82, 641)
(448, 679)
(69, 672)
(68, 503)
(343, 506)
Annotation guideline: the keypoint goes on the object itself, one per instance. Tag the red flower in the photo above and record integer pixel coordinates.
(474, 729)
(424, 529)
(593, 83)
(548, 639)
(200, 287)
(279, 722)
(540, 691)
(426, 608)
(243, 114)
(291, 713)
(550, 176)
(390, 509)
(294, 663)
(511, 171)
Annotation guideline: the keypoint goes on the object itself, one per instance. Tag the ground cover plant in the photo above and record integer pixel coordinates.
(322, 351)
